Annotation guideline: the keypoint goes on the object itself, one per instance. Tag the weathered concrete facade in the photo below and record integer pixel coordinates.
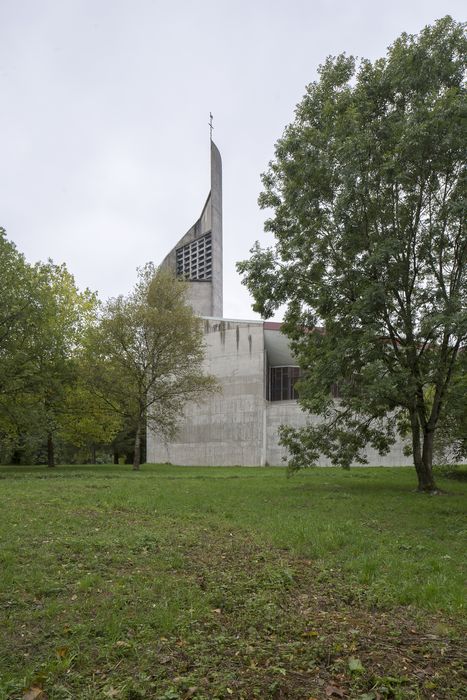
(290, 413)
(239, 426)
(227, 429)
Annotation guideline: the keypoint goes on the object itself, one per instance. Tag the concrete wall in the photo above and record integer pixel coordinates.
(238, 426)
(290, 413)
(199, 296)
(227, 429)
(278, 413)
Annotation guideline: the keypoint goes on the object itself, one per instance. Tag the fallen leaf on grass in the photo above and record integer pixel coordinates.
(34, 694)
(355, 665)
(333, 691)
(62, 652)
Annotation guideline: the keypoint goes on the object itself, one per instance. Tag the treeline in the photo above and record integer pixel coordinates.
(80, 380)
(47, 411)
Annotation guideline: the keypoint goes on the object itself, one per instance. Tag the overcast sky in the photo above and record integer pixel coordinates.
(104, 137)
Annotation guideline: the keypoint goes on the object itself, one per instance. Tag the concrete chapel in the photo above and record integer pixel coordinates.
(251, 360)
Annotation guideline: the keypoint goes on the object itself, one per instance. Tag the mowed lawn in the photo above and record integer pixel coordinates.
(178, 583)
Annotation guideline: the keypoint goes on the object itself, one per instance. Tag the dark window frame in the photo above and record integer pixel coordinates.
(281, 382)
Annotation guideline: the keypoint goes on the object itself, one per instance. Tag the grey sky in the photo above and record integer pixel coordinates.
(104, 137)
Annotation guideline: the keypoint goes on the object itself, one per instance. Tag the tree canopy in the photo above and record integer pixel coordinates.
(367, 196)
(145, 356)
(42, 319)
(19, 315)
(65, 313)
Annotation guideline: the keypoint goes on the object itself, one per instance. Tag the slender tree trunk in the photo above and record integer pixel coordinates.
(115, 457)
(423, 459)
(137, 455)
(426, 481)
(93, 454)
(50, 450)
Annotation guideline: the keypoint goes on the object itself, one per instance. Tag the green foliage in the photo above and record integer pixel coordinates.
(84, 421)
(19, 316)
(367, 193)
(144, 358)
(43, 317)
(65, 314)
(452, 434)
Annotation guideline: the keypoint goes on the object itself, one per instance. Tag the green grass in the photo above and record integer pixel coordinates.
(179, 582)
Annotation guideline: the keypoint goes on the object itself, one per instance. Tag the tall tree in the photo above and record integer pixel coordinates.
(368, 199)
(19, 316)
(42, 320)
(145, 356)
(65, 313)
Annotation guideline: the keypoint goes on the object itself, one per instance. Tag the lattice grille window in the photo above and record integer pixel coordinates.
(194, 260)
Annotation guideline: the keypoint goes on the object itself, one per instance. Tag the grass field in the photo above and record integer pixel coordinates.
(178, 583)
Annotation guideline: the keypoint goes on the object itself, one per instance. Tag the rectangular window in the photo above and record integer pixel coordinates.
(282, 382)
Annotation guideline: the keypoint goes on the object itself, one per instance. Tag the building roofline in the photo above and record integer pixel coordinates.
(233, 320)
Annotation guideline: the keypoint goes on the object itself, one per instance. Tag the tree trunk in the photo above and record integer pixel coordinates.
(426, 481)
(50, 450)
(93, 454)
(423, 459)
(116, 457)
(137, 455)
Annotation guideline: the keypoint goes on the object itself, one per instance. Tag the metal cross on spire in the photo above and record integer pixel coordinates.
(210, 124)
